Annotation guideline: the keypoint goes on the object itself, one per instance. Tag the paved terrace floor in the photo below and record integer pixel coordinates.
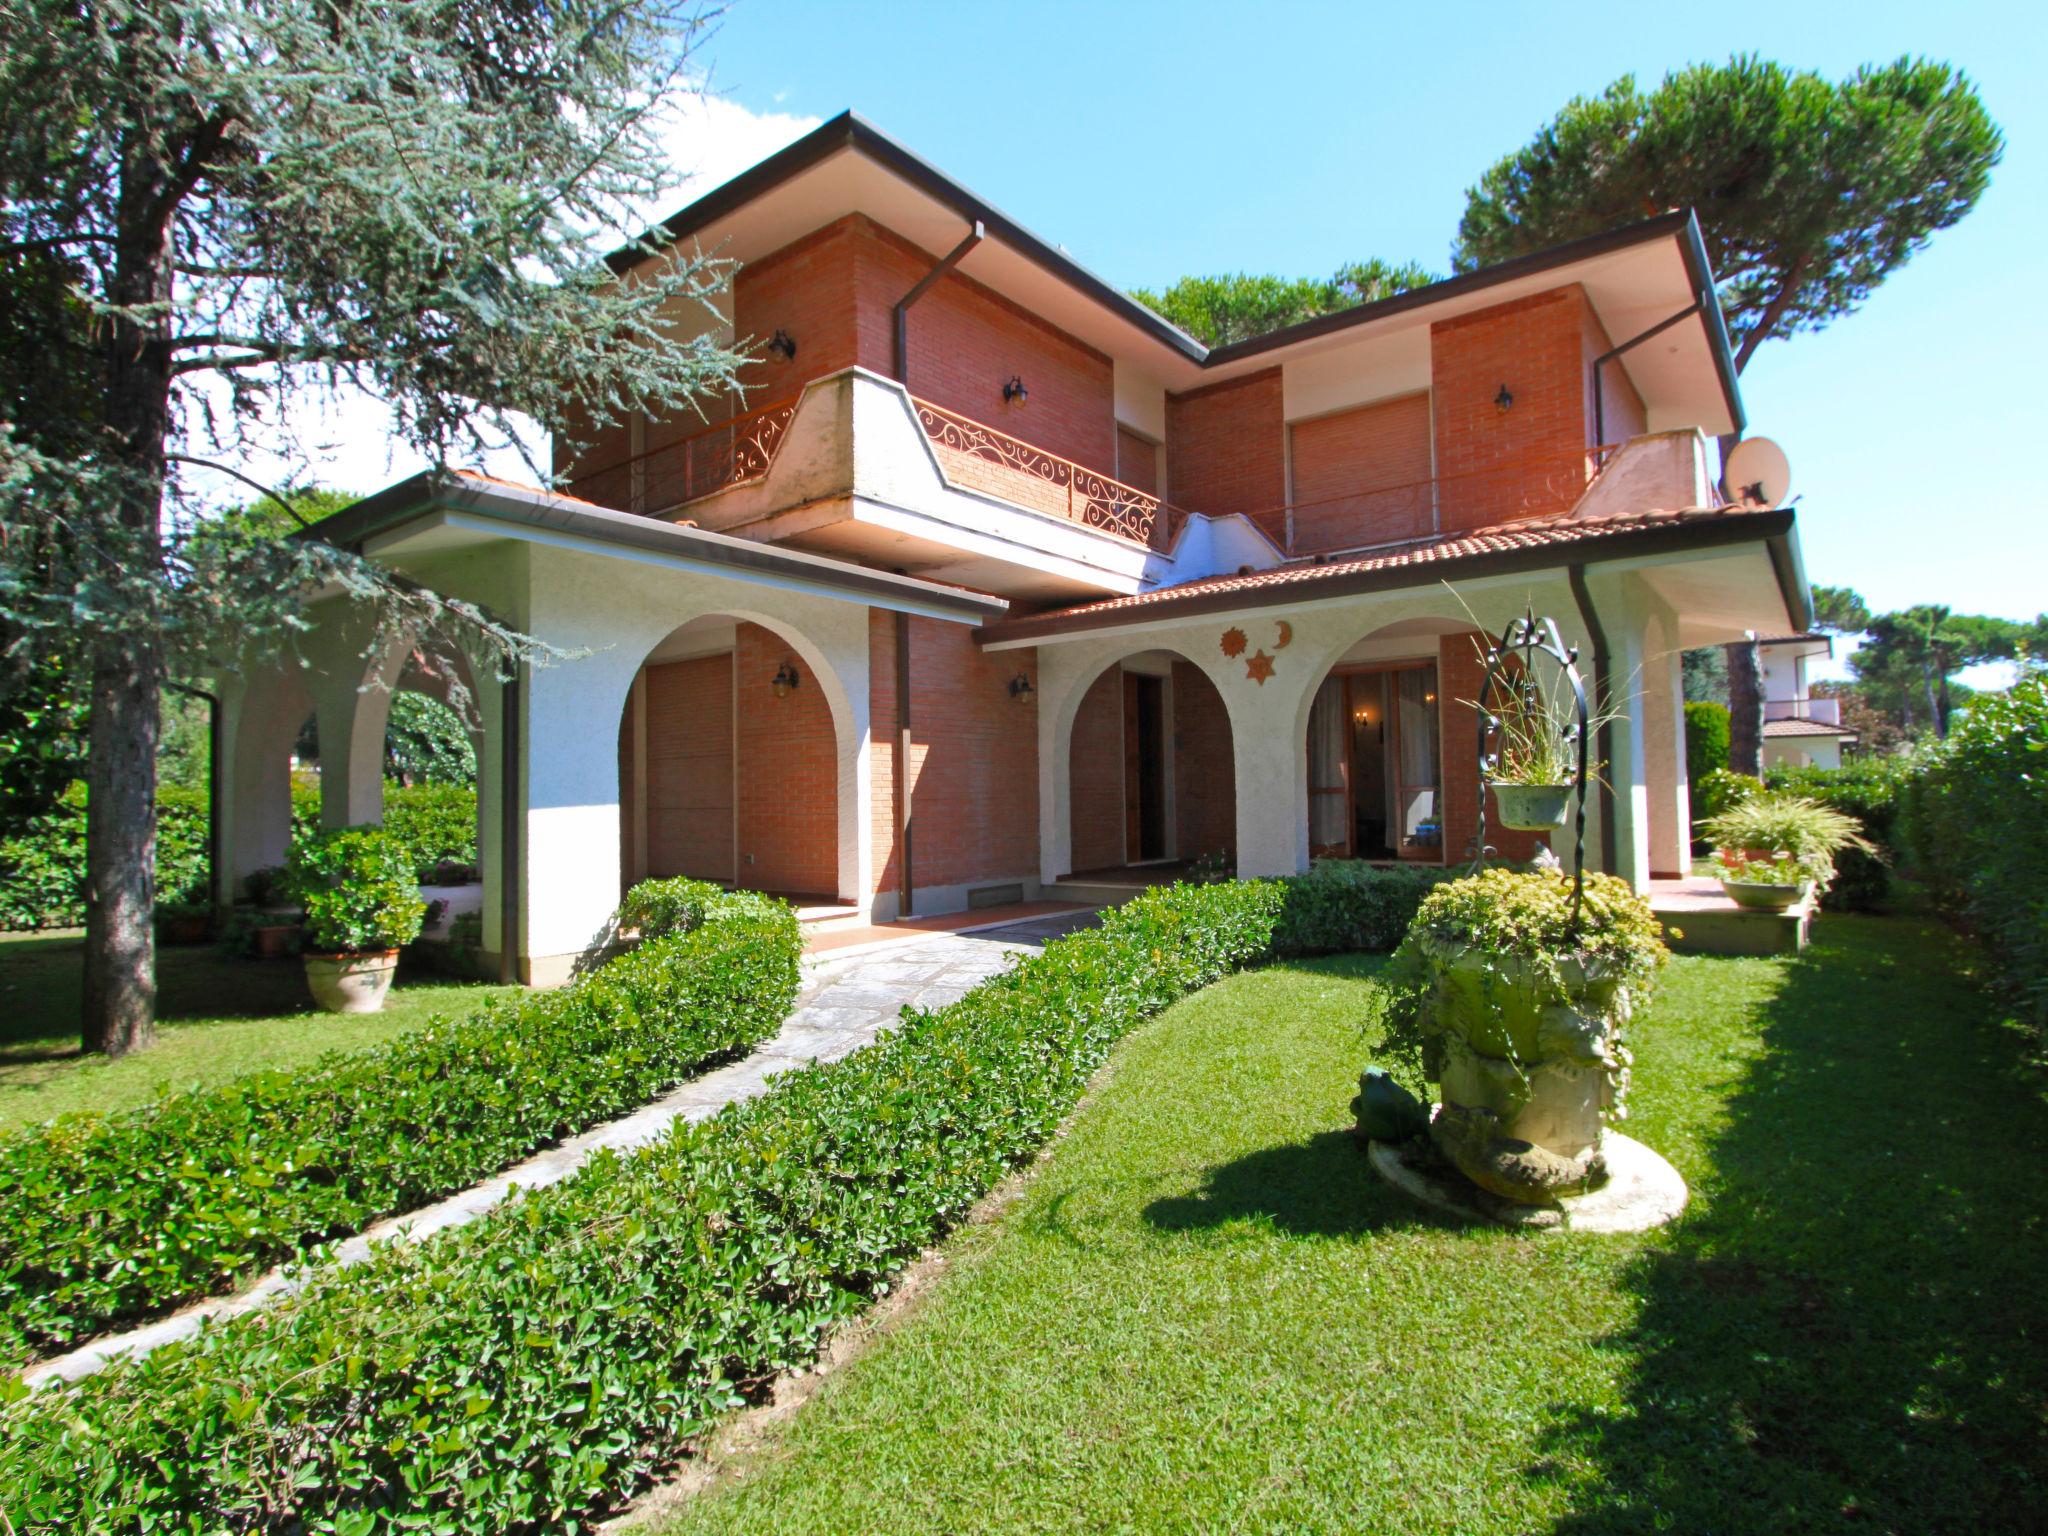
(845, 1000)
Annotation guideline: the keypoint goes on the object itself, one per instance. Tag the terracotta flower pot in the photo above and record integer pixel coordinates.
(274, 940)
(1533, 807)
(351, 983)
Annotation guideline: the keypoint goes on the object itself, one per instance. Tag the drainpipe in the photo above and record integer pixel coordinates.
(1599, 404)
(905, 900)
(946, 264)
(1604, 737)
(215, 735)
(510, 874)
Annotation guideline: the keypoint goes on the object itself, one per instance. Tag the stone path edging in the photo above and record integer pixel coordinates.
(844, 1002)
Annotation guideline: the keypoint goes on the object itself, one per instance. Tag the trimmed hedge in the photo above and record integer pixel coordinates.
(532, 1369)
(1869, 790)
(103, 1220)
(1707, 737)
(1342, 905)
(42, 870)
(1976, 821)
(435, 823)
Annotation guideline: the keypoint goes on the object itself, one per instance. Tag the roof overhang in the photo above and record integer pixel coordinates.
(1769, 533)
(1635, 277)
(437, 513)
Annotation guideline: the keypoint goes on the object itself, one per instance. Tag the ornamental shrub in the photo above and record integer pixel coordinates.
(1346, 905)
(358, 891)
(531, 1370)
(42, 869)
(1976, 823)
(1871, 790)
(1706, 738)
(1718, 791)
(108, 1219)
(434, 823)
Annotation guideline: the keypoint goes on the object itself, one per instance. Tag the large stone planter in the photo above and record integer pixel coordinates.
(1759, 896)
(351, 983)
(1531, 1065)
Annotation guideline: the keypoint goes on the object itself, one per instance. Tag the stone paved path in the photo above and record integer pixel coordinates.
(843, 1002)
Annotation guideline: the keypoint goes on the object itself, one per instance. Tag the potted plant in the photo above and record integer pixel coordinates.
(272, 931)
(1776, 849)
(361, 905)
(184, 922)
(1533, 770)
(1516, 1006)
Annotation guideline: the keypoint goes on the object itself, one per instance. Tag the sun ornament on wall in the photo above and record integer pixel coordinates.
(1234, 641)
(1258, 667)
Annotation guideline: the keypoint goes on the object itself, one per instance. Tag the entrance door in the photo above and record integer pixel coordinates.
(1373, 765)
(1144, 767)
(690, 769)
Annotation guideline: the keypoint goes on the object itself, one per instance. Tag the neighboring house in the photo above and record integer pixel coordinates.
(1800, 731)
(996, 578)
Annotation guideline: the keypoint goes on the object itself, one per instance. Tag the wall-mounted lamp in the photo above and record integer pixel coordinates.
(783, 345)
(786, 677)
(1014, 392)
(1429, 698)
(1505, 400)
(1021, 689)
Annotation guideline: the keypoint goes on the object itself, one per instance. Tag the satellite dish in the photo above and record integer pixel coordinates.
(1757, 473)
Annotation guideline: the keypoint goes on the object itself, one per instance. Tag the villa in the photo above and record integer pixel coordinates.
(996, 585)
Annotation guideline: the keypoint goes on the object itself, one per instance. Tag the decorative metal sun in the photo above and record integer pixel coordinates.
(1234, 641)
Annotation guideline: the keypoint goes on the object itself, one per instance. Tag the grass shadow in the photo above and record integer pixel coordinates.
(1847, 1333)
(1320, 1187)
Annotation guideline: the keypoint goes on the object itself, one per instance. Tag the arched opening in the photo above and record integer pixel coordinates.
(1151, 772)
(1392, 748)
(730, 763)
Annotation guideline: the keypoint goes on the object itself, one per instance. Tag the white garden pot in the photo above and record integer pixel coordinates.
(351, 983)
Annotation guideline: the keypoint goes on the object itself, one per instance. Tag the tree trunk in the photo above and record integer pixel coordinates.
(1745, 710)
(119, 1013)
(120, 850)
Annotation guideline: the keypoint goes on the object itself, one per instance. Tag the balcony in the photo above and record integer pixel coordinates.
(858, 468)
(1819, 711)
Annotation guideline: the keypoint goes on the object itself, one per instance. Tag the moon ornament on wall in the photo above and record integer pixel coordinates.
(1286, 634)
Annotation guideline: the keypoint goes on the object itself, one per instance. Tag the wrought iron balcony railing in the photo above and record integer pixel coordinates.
(722, 454)
(977, 456)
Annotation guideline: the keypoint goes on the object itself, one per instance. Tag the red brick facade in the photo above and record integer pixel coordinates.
(1363, 476)
(1095, 766)
(788, 773)
(1528, 460)
(1204, 769)
(1226, 446)
(974, 757)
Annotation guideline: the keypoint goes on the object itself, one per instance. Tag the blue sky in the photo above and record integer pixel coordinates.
(1154, 140)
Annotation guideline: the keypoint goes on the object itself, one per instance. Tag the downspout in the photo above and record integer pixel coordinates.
(215, 736)
(946, 264)
(509, 828)
(1575, 574)
(905, 885)
(1599, 402)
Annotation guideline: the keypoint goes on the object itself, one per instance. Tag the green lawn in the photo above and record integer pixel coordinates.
(1206, 1314)
(218, 1018)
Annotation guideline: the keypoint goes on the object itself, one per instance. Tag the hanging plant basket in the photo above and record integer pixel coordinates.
(1533, 807)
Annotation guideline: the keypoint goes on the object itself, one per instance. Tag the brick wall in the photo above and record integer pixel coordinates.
(788, 776)
(1623, 415)
(1096, 767)
(1204, 771)
(1527, 461)
(974, 757)
(807, 289)
(1137, 460)
(1460, 671)
(966, 342)
(1362, 476)
(1226, 446)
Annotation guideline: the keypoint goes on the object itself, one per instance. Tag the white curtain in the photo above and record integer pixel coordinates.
(1327, 724)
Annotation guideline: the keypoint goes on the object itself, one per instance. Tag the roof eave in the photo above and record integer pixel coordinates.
(1773, 528)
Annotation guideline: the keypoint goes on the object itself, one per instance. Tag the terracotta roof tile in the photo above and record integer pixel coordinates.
(1805, 728)
(1529, 533)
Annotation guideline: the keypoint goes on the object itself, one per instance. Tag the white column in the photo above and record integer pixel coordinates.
(262, 708)
(1664, 748)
